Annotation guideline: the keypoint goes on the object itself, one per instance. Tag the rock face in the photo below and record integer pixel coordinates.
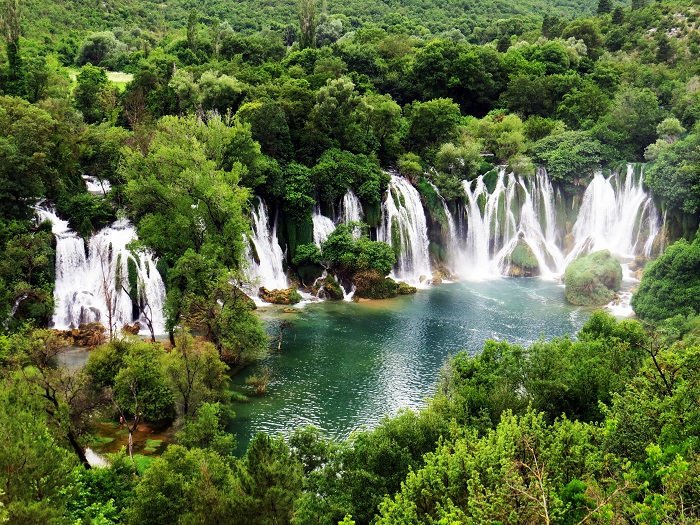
(522, 261)
(285, 296)
(592, 280)
(91, 335)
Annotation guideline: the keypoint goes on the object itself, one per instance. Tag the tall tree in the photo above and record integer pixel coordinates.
(10, 20)
(307, 23)
(192, 30)
(604, 6)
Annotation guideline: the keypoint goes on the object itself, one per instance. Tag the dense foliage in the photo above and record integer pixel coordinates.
(298, 107)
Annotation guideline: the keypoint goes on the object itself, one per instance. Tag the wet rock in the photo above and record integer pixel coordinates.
(90, 335)
(284, 296)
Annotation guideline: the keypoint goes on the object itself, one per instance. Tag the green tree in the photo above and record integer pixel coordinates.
(307, 23)
(91, 81)
(36, 466)
(10, 24)
(98, 48)
(185, 486)
(431, 123)
(670, 285)
(636, 113)
(28, 163)
(268, 482)
(604, 6)
(207, 430)
(193, 30)
(195, 375)
(569, 156)
(132, 377)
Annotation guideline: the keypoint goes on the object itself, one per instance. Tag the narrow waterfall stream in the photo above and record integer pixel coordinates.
(404, 227)
(323, 226)
(351, 208)
(265, 258)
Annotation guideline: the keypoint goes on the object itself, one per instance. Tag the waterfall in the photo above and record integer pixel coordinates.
(404, 227)
(323, 226)
(263, 253)
(89, 286)
(616, 214)
(452, 244)
(351, 208)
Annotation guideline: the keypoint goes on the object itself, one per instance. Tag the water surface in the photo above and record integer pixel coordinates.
(344, 366)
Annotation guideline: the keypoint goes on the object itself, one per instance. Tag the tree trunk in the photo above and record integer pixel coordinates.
(78, 450)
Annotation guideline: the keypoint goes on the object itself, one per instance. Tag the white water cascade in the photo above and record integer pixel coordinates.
(351, 208)
(404, 227)
(616, 214)
(265, 265)
(93, 287)
(323, 226)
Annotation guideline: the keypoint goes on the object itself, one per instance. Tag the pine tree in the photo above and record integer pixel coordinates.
(16, 79)
(604, 6)
(307, 23)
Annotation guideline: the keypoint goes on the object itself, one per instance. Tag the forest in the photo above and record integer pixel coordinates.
(192, 117)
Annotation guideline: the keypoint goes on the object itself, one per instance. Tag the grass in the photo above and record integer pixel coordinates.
(143, 462)
(152, 445)
(118, 78)
(99, 441)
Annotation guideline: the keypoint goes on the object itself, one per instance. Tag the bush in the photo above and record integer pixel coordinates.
(592, 280)
(671, 285)
(370, 284)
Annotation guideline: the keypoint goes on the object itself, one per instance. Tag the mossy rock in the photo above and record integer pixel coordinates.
(593, 280)
(332, 289)
(371, 284)
(406, 289)
(522, 261)
(285, 296)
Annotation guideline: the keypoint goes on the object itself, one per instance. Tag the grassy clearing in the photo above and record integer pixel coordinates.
(118, 78)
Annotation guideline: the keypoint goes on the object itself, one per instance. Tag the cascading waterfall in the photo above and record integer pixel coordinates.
(616, 214)
(323, 226)
(404, 227)
(265, 263)
(453, 244)
(351, 208)
(93, 287)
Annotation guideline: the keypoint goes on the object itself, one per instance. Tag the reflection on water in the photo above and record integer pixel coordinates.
(347, 365)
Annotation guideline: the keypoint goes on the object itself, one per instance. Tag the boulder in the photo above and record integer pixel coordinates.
(284, 296)
(329, 288)
(592, 280)
(521, 262)
(90, 335)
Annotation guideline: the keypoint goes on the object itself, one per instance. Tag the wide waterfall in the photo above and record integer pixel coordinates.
(264, 254)
(99, 286)
(404, 227)
(323, 226)
(615, 213)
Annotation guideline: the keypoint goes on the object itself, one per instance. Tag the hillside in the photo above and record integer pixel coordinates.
(63, 17)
